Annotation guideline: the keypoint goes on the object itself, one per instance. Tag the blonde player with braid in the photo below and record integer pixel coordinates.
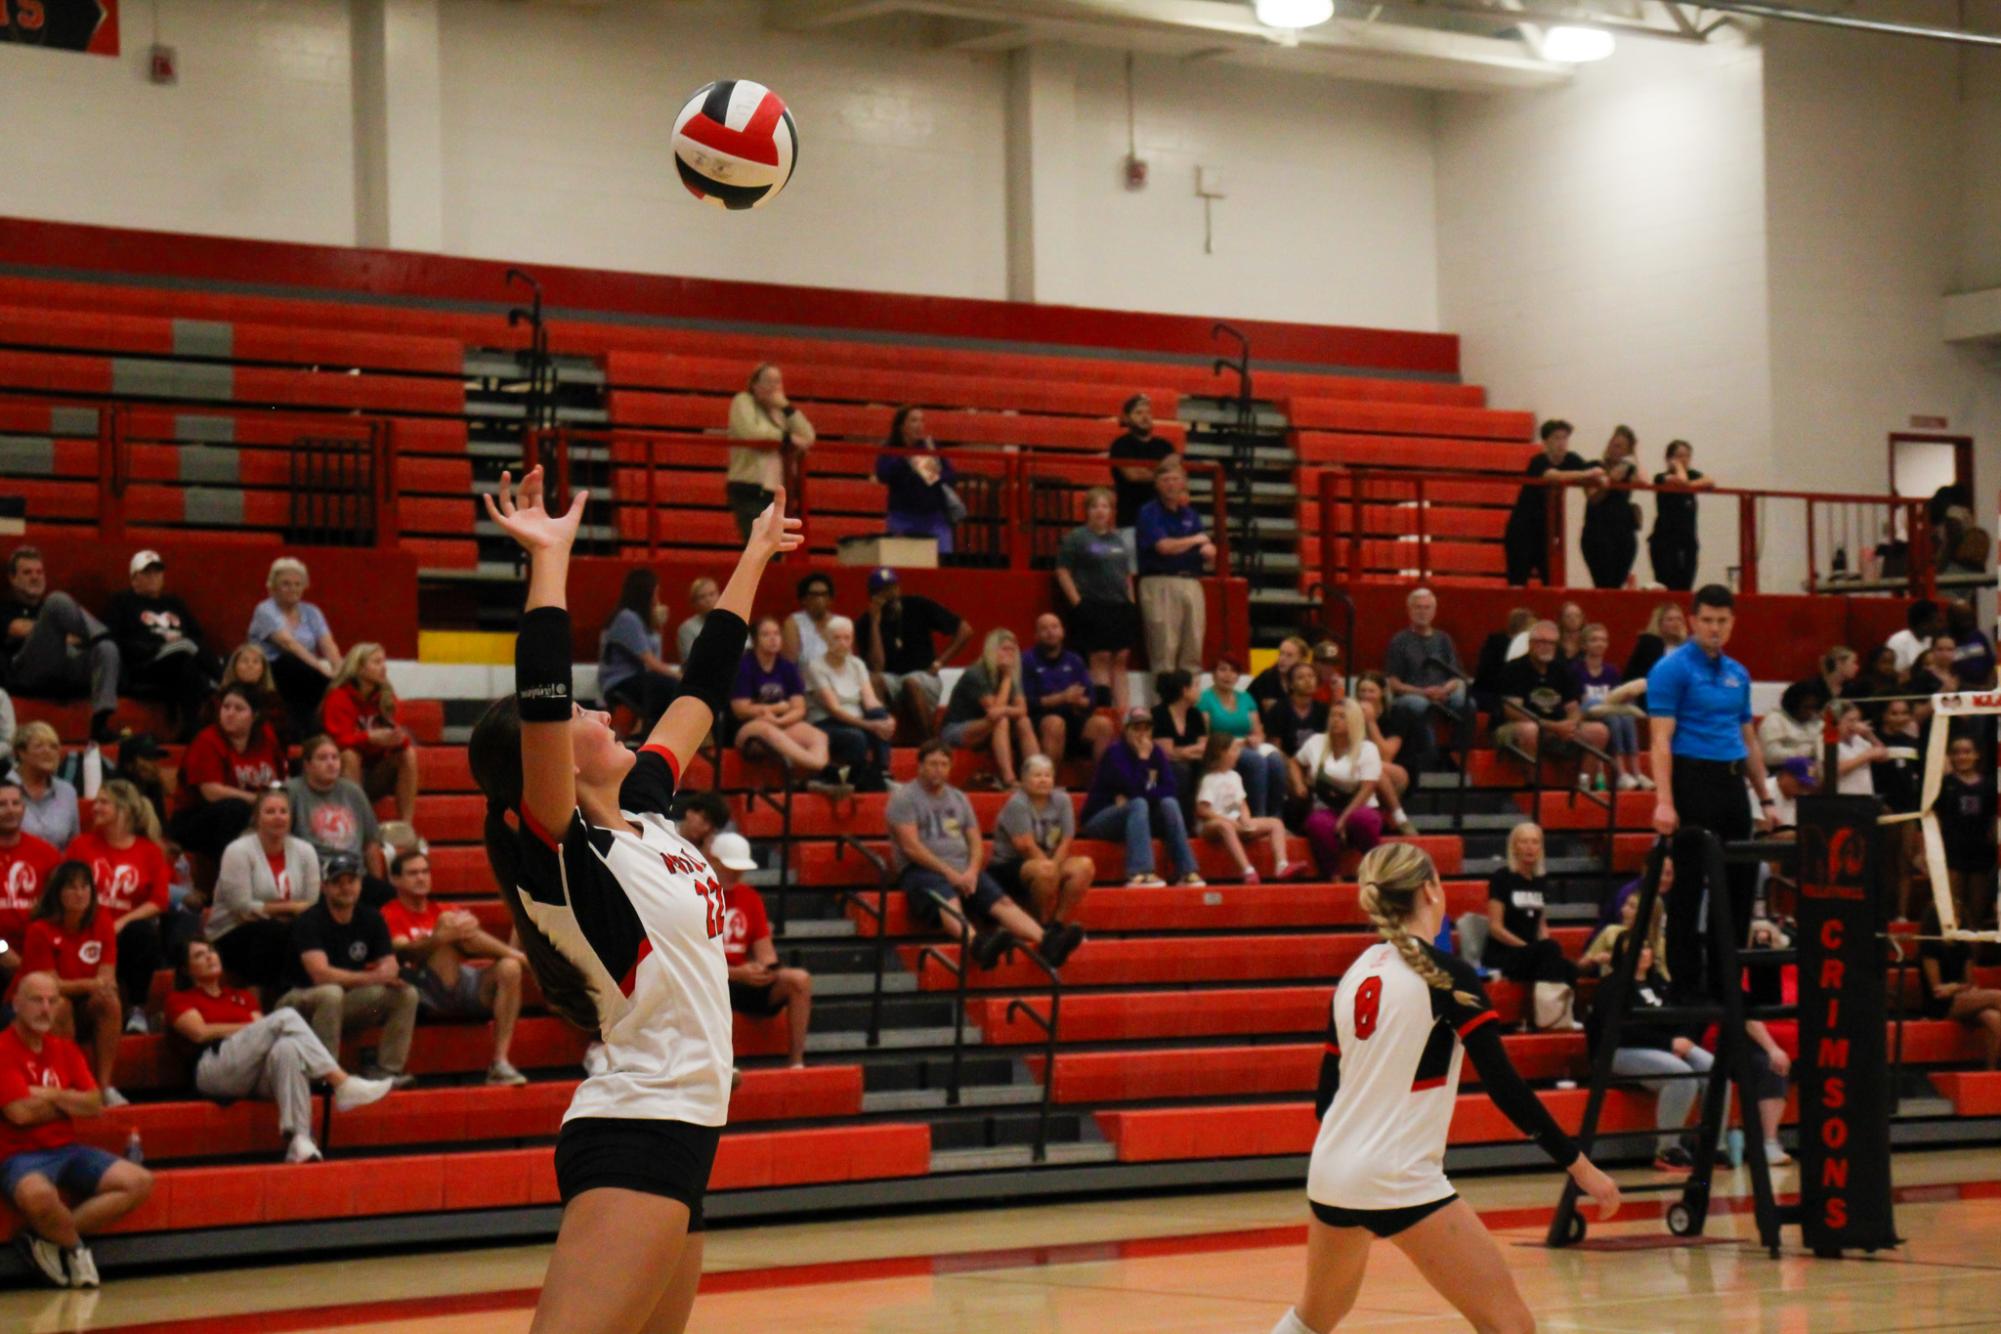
(1402, 1016)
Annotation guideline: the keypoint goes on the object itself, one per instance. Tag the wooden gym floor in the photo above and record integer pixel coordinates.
(1192, 1264)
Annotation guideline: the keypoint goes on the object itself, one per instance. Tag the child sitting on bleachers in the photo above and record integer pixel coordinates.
(1223, 813)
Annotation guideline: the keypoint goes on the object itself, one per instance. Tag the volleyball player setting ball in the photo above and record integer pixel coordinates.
(1403, 1016)
(622, 921)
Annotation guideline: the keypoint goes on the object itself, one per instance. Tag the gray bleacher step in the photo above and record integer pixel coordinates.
(1221, 413)
(1271, 561)
(817, 927)
(1268, 526)
(486, 572)
(507, 366)
(972, 1095)
(1913, 1107)
(1202, 486)
(1474, 822)
(862, 984)
(510, 452)
(1021, 1155)
(589, 532)
(1280, 597)
(763, 877)
(501, 409)
(903, 1039)
(1475, 867)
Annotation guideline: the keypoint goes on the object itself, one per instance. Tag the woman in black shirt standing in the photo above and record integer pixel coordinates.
(1518, 939)
(1611, 537)
(1527, 536)
(1674, 544)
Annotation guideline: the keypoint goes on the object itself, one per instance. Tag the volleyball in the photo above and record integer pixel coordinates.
(735, 144)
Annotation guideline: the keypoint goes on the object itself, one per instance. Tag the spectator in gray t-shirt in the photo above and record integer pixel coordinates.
(1032, 858)
(333, 815)
(940, 860)
(1424, 674)
(1094, 570)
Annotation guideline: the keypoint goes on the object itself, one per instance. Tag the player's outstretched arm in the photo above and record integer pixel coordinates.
(712, 662)
(1520, 1105)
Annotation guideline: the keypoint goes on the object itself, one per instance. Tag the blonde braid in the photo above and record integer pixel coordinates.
(1391, 876)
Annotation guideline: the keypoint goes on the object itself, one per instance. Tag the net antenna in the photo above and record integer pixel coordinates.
(1959, 704)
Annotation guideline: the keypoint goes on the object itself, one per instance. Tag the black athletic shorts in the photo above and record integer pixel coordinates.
(670, 1158)
(757, 1002)
(1382, 1222)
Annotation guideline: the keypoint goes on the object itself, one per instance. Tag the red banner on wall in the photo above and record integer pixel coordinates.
(62, 25)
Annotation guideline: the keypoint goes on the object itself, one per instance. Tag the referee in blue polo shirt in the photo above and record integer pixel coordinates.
(1699, 700)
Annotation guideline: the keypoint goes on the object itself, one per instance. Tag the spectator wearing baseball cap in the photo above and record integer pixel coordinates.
(759, 988)
(1132, 792)
(898, 638)
(343, 974)
(160, 645)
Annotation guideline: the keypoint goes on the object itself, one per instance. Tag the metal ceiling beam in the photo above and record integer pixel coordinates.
(1790, 14)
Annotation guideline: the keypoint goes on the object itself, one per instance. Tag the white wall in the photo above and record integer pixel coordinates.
(254, 141)
(1602, 255)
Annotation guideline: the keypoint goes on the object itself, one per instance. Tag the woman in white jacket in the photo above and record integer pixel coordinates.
(266, 878)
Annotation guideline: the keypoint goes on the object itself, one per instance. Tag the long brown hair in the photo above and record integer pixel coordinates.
(1392, 876)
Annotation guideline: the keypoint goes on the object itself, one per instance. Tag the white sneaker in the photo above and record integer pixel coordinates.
(1646, 783)
(1404, 824)
(43, 1255)
(113, 1098)
(302, 1148)
(503, 1072)
(355, 1091)
(1775, 1153)
(82, 1268)
(136, 1022)
(1628, 783)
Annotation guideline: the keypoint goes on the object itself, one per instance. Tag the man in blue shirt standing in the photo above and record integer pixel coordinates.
(1174, 552)
(1704, 748)
(1060, 697)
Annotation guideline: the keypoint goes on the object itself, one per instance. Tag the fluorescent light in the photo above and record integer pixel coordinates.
(1294, 13)
(1575, 46)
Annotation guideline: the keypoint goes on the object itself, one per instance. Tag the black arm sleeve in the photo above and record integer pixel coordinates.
(713, 659)
(1515, 1099)
(1330, 1073)
(542, 666)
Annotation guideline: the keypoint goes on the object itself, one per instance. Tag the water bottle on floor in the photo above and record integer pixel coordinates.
(135, 1148)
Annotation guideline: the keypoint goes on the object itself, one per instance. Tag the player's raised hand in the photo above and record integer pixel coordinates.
(775, 531)
(1604, 1191)
(519, 510)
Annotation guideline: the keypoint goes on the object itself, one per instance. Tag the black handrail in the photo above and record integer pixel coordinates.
(1048, 1027)
(960, 970)
(878, 912)
(1609, 799)
(539, 413)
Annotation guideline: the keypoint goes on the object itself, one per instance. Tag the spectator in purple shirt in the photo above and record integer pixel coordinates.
(1132, 791)
(922, 502)
(1059, 691)
(1606, 700)
(769, 703)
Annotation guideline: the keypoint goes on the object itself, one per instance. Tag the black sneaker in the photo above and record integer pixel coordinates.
(1674, 1158)
(1061, 943)
(987, 949)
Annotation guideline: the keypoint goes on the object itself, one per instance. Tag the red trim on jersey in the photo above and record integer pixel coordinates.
(673, 765)
(1421, 1085)
(1333, 1050)
(534, 826)
(1484, 1017)
(631, 978)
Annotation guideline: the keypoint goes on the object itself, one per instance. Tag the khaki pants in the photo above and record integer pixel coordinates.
(333, 1009)
(1174, 613)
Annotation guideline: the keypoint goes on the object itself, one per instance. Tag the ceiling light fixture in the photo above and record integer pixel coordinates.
(1576, 46)
(1294, 13)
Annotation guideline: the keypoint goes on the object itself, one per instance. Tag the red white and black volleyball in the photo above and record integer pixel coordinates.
(735, 144)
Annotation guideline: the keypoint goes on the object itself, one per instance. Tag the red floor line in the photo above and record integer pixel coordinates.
(959, 1262)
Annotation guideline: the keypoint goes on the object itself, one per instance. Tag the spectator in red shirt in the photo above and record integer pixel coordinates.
(461, 971)
(133, 879)
(71, 939)
(44, 1085)
(758, 986)
(226, 766)
(25, 863)
(360, 714)
(246, 1053)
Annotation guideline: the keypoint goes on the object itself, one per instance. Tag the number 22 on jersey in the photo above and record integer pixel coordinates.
(717, 904)
(1368, 1000)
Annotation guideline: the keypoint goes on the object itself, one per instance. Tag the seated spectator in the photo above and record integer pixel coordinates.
(806, 629)
(1371, 690)
(360, 713)
(940, 861)
(1175, 553)
(1332, 685)
(71, 939)
(1598, 682)
(1134, 457)
(630, 669)
(1879, 677)
(334, 815)
(922, 502)
(772, 433)
(1793, 730)
(1935, 674)
(1132, 793)
(1973, 656)
(51, 648)
(1058, 688)
(248, 666)
(1339, 770)
(759, 987)
(1771, 1068)
(64, 1190)
(841, 702)
(1421, 669)
(1231, 712)
(25, 864)
(140, 762)
(1270, 686)
(1965, 811)
(296, 641)
(1540, 700)
(246, 1053)
(1496, 652)
(703, 815)
(1180, 730)
(1667, 630)
(460, 971)
(1659, 1056)
(52, 814)
(988, 712)
(702, 595)
(130, 870)
(1569, 632)
(1922, 620)
(1839, 667)
(1223, 812)
(268, 877)
(343, 973)
(1857, 750)
(1949, 990)
(159, 644)
(1033, 862)
(1298, 715)
(7, 726)
(226, 766)
(1518, 939)
(1598, 956)
(898, 637)
(1094, 568)
(769, 701)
